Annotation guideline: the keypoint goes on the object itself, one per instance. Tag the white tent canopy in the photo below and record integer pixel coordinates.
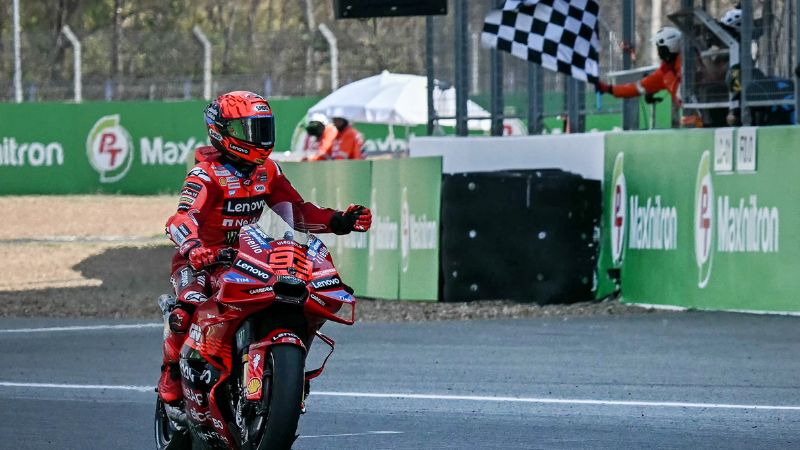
(396, 99)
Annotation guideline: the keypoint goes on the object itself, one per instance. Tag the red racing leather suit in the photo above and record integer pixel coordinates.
(217, 199)
(215, 202)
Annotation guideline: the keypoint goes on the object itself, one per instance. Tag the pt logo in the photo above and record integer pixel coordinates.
(704, 220)
(618, 204)
(109, 148)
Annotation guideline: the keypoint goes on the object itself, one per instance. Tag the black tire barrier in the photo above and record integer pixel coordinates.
(523, 235)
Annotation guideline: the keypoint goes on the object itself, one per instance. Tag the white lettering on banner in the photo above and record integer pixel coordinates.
(747, 228)
(158, 151)
(424, 233)
(652, 226)
(34, 154)
(388, 144)
(354, 240)
(384, 234)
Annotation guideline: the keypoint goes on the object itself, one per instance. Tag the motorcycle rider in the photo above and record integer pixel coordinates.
(667, 76)
(233, 181)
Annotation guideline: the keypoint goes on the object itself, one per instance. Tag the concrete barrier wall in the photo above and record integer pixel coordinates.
(581, 154)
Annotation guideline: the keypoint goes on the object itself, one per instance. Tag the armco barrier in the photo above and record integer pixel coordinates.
(399, 257)
(704, 218)
(114, 147)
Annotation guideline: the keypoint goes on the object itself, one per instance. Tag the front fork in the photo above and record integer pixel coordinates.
(253, 361)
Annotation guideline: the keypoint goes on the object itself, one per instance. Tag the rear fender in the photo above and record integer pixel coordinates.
(256, 356)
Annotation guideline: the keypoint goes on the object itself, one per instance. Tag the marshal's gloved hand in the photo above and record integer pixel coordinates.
(604, 88)
(354, 218)
(200, 257)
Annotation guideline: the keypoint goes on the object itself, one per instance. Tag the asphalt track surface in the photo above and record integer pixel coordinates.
(663, 380)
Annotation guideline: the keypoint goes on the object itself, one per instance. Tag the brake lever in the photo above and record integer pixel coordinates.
(224, 257)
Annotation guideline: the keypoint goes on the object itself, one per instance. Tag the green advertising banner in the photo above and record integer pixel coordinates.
(384, 240)
(109, 147)
(420, 203)
(337, 184)
(704, 218)
(399, 257)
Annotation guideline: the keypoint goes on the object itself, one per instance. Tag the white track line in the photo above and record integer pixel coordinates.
(79, 386)
(473, 398)
(367, 433)
(560, 401)
(83, 328)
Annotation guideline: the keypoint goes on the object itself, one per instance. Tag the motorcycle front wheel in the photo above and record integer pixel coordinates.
(167, 436)
(284, 395)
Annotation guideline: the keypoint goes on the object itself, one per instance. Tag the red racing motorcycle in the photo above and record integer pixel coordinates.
(243, 362)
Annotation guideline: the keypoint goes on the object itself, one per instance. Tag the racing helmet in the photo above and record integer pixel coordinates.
(732, 19)
(668, 37)
(241, 125)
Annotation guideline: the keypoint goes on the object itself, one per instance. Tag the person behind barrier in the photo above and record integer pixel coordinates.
(762, 87)
(348, 141)
(667, 76)
(231, 184)
(320, 134)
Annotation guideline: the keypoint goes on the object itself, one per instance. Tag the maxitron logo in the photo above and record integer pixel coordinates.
(741, 223)
(618, 202)
(703, 219)
(109, 148)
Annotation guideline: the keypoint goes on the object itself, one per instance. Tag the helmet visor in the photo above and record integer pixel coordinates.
(259, 130)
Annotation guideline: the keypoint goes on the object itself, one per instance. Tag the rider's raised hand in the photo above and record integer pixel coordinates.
(361, 217)
(200, 257)
(354, 218)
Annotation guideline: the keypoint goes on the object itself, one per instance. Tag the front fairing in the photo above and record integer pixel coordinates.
(276, 262)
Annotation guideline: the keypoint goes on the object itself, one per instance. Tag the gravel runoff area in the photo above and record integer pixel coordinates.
(105, 256)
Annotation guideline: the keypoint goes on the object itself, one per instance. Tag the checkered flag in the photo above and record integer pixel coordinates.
(560, 35)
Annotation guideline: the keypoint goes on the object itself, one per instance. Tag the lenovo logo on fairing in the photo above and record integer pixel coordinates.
(244, 206)
(326, 282)
(252, 270)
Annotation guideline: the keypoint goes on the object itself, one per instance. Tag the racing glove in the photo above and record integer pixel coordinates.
(200, 257)
(354, 218)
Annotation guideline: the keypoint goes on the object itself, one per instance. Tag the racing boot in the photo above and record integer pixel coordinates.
(169, 385)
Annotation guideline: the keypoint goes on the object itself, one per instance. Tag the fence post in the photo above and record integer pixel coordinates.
(198, 33)
(746, 60)
(797, 62)
(17, 56)
(461, 17)
(535, 98)
(77, 61)
(334, 50)
(496, 90)
(630, 107)
(429, 71)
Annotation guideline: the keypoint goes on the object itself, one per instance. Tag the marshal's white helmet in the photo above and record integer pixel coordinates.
(318, 117)
(732, 18)
(668, 37)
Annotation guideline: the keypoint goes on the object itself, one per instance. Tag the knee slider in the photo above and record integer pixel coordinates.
(179, 320)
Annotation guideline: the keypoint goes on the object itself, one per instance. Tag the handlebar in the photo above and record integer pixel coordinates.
(225, 257)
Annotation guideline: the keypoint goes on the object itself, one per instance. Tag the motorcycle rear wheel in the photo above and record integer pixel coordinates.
(285, 396)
